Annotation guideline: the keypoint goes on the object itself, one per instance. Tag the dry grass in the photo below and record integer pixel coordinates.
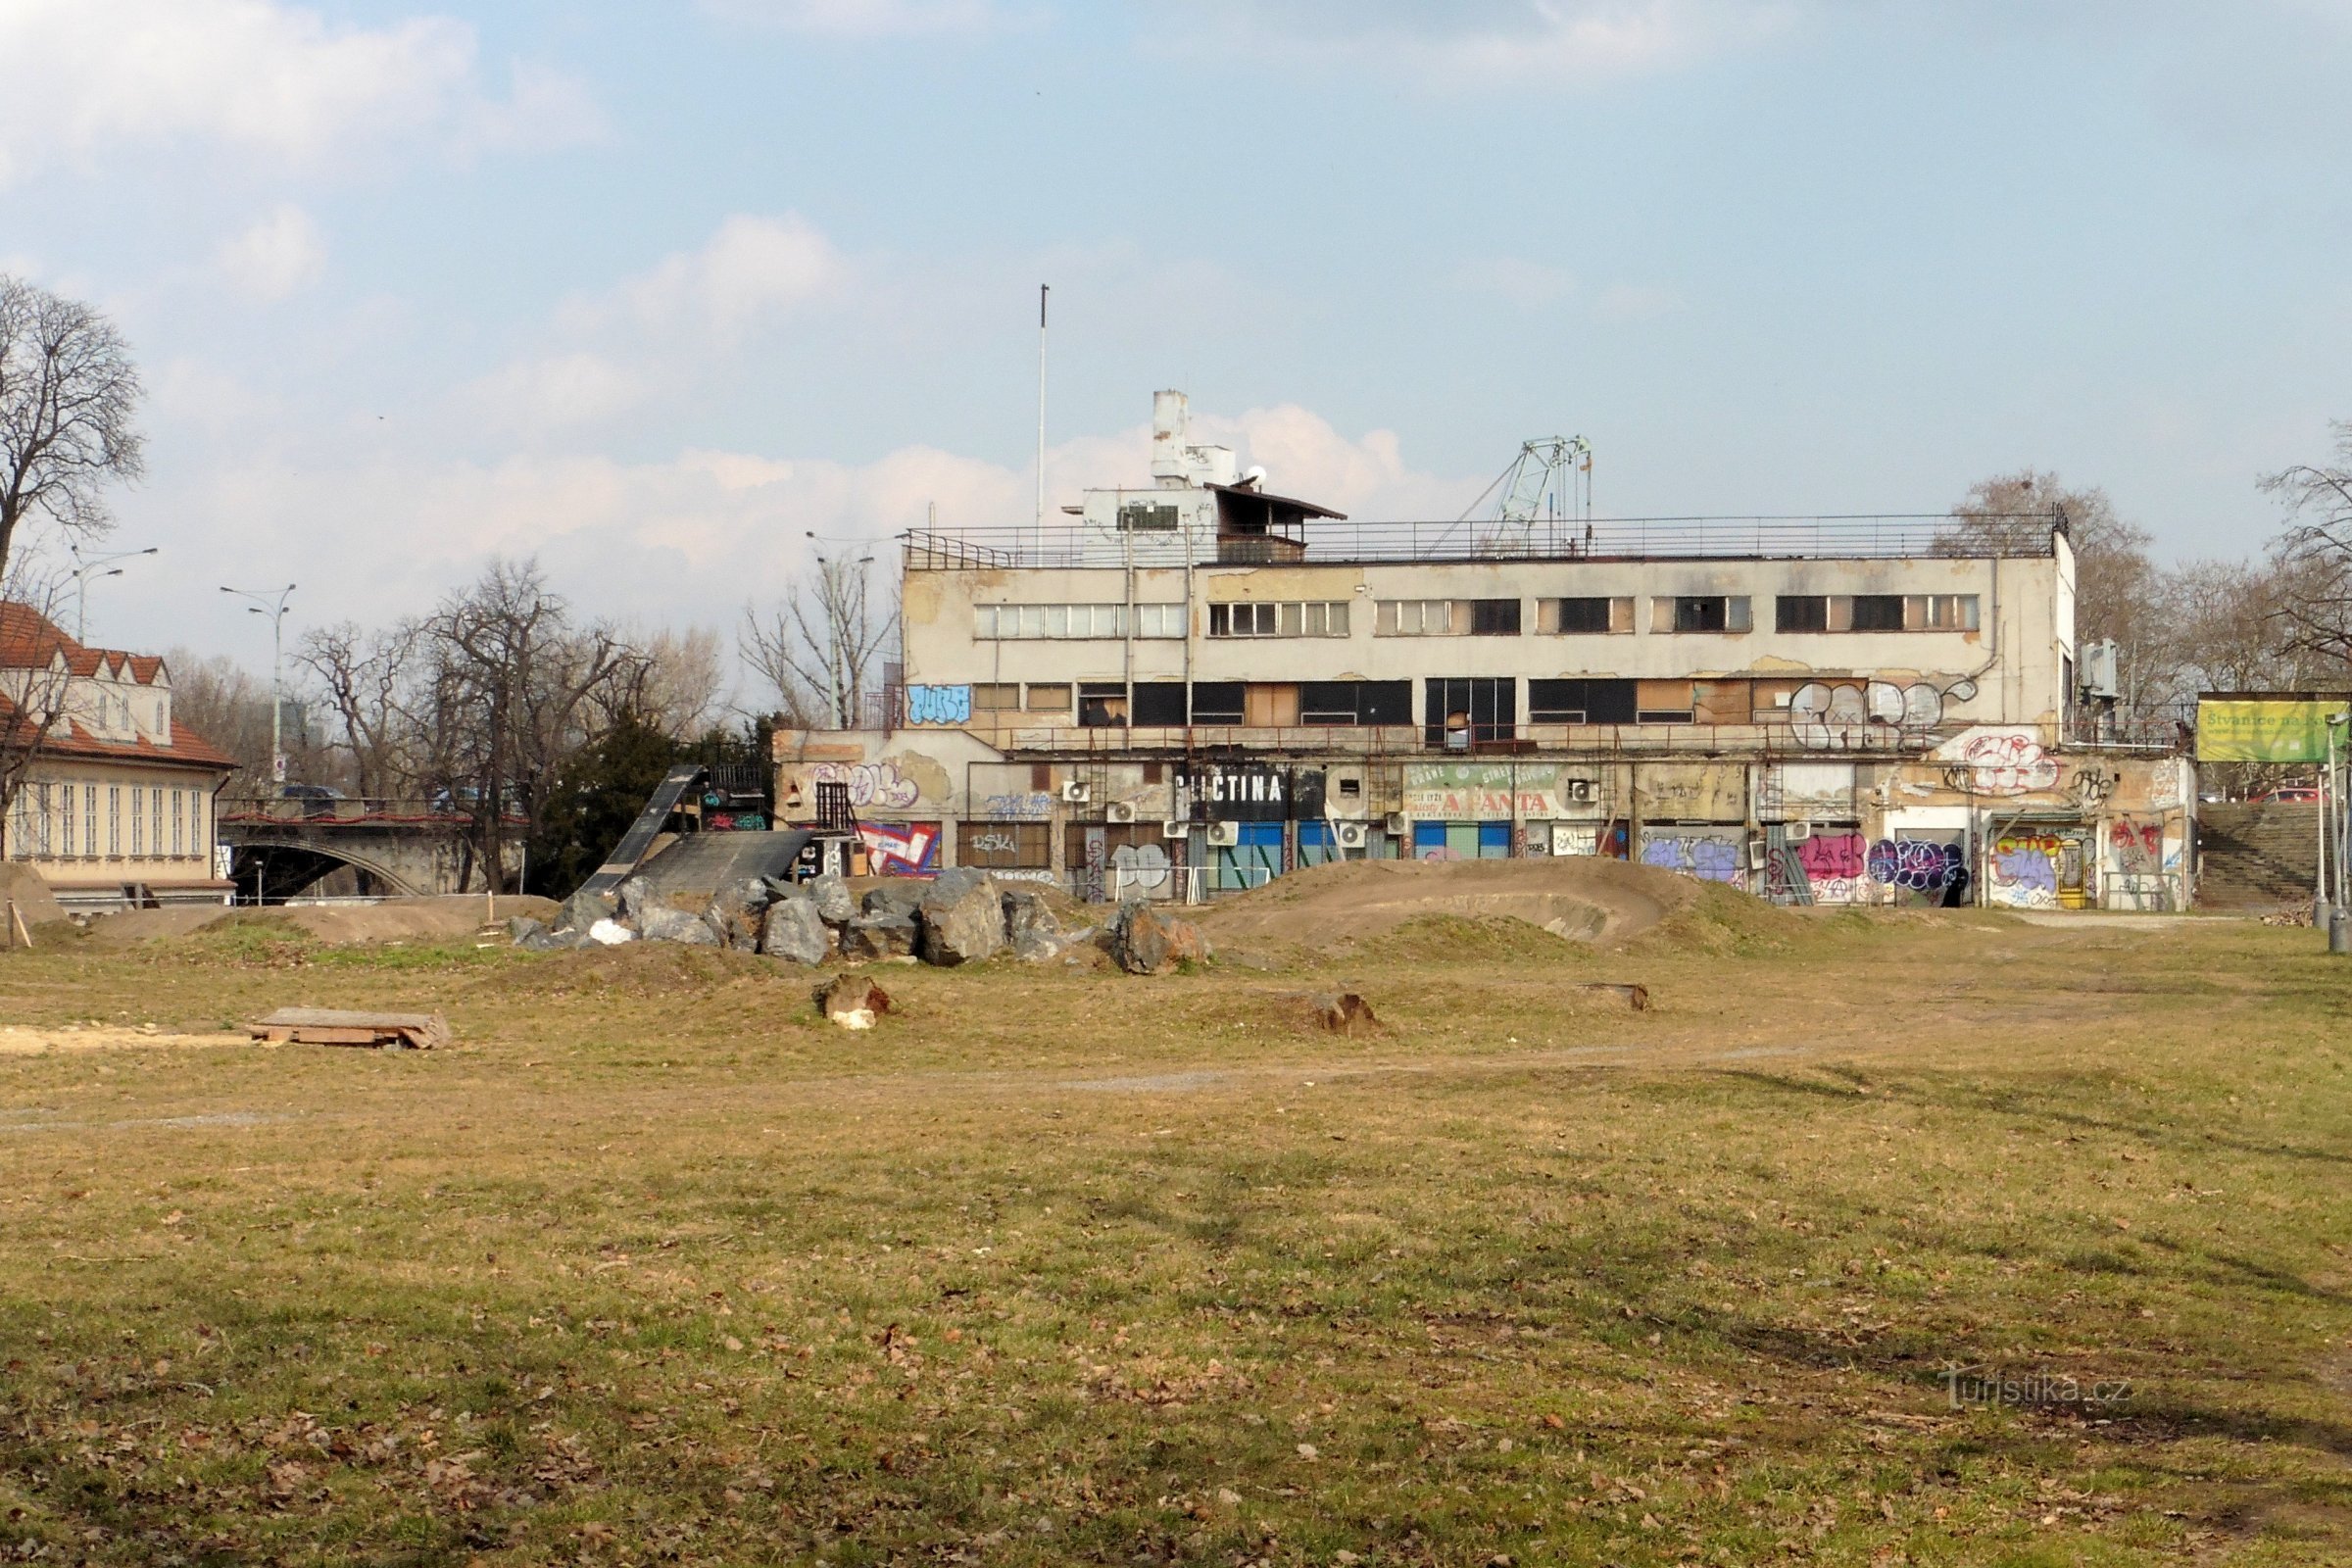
(1070, 1267)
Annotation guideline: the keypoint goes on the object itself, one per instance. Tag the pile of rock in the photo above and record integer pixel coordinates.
(961, 916)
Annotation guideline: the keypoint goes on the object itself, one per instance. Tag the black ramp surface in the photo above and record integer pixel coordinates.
(641, 834)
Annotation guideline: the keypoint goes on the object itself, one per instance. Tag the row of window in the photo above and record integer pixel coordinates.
(63, 821)
(1729, 614)
(1488, 707)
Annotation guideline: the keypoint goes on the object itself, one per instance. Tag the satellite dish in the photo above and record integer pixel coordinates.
(1254, 478)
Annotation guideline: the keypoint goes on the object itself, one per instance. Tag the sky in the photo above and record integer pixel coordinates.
(656, 289)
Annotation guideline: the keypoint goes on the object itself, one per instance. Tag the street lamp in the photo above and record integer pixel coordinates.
(82, 573)
(273, 603)
(2331, 799)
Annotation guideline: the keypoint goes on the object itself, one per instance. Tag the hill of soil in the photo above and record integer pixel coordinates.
(393, 920)
(1582, 899)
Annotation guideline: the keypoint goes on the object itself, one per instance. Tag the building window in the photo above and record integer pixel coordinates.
(1355, 702)
(66, 815)
(138, 823)
(1581, 702)
(1574, 617)
(1148, 517)
(1494, 618)
(1160, 704)
(1878, 612)
(1463, 712)
(89, 820)
(1414, 618)
(114, 821)
(1706, 612)
(1940, 611)
(1308, 618)
(1101, 705)
(179, 841)
(1005, 846)
(1049, 697)
(155, 815)
(1008, 622)
(1800, 612)
(1218, 702)
(996, 696)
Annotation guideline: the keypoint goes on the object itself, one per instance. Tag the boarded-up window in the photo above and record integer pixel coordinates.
(996, 696)
(1720, 701)
(1005, 846)
(1050, 696)
(1159, 703)
(1270, 707)
(1663, 702)
(1217, 702)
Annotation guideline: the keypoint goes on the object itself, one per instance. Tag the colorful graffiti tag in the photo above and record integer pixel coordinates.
(2024, 869)
(939, 704)
(1916, 865)
(901, 849)
(1875, 713)
(2001, 761)
(870, 783)
(1836, 865)
(1708, 857)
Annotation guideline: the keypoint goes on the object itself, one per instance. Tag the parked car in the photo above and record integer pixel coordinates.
(2288, 792)
(317, 800)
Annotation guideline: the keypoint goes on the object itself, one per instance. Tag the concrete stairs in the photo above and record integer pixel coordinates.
(2256, 857)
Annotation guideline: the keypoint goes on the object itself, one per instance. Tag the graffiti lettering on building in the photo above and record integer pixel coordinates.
(1915, 865)
(870, 784)
(1836, 865)
(939, 704)
(900, 849)
(1873, 715)
(1141, 869)
(1707, 857)
(1035, 807)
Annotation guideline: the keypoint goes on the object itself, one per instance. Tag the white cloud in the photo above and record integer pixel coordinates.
(282, 253)
(553, 393)
(866, 18)
(1524, 283)
(752, 272)
(1499, 43)
(258, 76)
(1636, 302)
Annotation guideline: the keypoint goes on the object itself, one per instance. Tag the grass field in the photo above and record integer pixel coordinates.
(1057, 1267)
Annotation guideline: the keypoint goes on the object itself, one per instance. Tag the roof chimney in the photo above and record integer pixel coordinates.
(1170, 425)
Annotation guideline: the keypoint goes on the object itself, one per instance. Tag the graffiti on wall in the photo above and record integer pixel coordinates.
(1997, 761)
(939, 704)
(1836, 865)
(1695, 792)
(2144, 871)
(870, 784)
(1869, 714)
(1916, 865)
(1139, 870)
(1706, 856)
(2026, 865)
(901, 849)
(1033, 806)
(1466, 792)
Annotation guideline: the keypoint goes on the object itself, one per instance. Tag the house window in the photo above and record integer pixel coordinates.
(179, 842)
(114, 821)
(1463, 712)
(1355, 702)
(1575, 617)
(154, 813)
(89, 820)
(1308, 618)
(996, 696)
(1218, 702)
(1414, 618)
(1101, 705)
(1878, 612)
(1005, 846)
(1707, 612)
(66, 823)
(1800, 612)
(138, 823)
(1494, 618)
(1581, 702)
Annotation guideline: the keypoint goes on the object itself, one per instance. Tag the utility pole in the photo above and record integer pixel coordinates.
(1041, 292)
(273, 603)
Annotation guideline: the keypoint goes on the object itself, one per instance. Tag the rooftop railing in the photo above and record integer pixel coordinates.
(1870, 536)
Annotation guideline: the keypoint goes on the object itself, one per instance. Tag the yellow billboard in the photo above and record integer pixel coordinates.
(2263, 730)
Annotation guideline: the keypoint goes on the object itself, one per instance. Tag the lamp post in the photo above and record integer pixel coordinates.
(2331, 799)
(83, 570)
(273, 603)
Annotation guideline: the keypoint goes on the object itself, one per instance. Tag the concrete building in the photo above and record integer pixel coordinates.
(1200, 684)
(115, 806)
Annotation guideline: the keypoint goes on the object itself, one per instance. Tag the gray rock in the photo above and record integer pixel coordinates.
(834, 905)
(735, 915)
(632, 898)
(879, 935)
(894, 898)
(1144, 941)
(583, 910)
(522, 928)
(1026, 914)
(794, 933)
(659, 922)
(962, 917)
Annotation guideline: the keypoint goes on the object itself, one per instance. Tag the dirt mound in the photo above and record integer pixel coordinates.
(1584, 898)
(35, 905)
(393, 920)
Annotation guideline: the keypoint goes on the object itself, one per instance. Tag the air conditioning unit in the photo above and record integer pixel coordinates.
(1798, 832)
(1398, 825)
(1755, 855)
(1118, 812)
(1222, 835)
(1350, 835)
(1076, 793)
(1175, 829)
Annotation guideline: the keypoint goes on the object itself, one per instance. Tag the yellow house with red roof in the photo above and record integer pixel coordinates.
(114, 798)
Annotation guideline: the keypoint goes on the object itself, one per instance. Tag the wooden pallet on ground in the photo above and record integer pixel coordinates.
(329, 1026)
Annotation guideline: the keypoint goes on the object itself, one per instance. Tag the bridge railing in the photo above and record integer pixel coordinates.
(345, 811)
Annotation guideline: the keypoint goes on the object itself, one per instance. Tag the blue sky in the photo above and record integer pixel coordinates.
(655, 291)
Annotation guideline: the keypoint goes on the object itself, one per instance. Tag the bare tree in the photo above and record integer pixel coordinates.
(2314, 610)
(818, 649)
(35, 685)
(676, 686)
(2120, 592)
(68, 392)
(368, 679)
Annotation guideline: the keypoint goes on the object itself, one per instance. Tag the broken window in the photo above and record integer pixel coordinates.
(1878, 612)
(1101, 705)
(1583, 616)
(1800, 612)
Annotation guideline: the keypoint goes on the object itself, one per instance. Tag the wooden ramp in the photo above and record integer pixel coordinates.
(326, 1026)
